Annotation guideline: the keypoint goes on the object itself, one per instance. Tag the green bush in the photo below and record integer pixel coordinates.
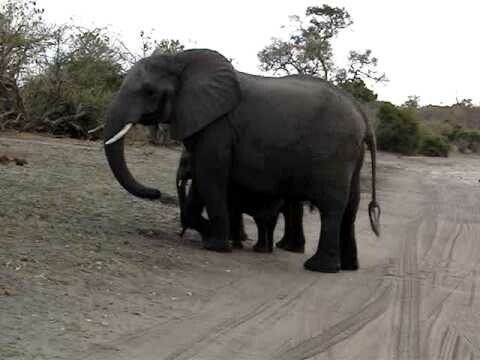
(467, 140)
(397, 130)
(71, 95)
(471, 136)
(359, 90)
(434, 145)
(450, 131)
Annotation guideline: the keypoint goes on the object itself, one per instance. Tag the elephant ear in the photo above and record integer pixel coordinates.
(208, 89)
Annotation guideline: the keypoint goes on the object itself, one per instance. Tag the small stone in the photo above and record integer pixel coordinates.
(7, 291)
(20, 162)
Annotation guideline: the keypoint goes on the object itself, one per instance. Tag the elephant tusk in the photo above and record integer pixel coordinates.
(120, 134)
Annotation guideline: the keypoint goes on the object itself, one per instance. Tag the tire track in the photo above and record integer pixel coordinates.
(316, 345)
(260, 315)
(434, 246)
(446, 266)
(408, 296)
(222, 328)
(455, 346)
(473, 288)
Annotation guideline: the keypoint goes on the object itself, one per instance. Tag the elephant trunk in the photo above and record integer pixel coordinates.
(116, 159)
(181, 191)
(182, 182)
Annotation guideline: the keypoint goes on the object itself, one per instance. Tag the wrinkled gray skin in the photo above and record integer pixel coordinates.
(265, 212)
(294, 137)
(183, 178)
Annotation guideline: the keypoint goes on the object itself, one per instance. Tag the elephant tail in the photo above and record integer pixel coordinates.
(374, 210)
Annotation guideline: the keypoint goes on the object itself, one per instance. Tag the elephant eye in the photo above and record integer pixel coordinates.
(149, 93)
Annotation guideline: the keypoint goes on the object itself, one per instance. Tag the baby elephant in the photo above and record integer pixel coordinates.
(264, 209)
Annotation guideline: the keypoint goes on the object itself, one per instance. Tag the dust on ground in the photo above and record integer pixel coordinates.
(88, 271)
(81, 260)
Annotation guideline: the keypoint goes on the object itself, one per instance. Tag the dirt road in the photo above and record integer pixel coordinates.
(105, 276)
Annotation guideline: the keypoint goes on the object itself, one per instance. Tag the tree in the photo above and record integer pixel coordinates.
(169, 46)
(361, 66)
(397, 130)
(24, 38)
(71, 93)
(309, 50)
(150, 45)
(358, 89)
(412, 102)
(467, 103)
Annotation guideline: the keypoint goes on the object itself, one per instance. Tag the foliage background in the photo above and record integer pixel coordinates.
(60, 79)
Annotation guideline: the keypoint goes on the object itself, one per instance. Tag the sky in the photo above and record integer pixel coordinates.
(427, 48)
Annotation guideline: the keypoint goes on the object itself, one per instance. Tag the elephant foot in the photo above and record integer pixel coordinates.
(291, 246)
(322, 263)
(217, 245)
(237, 245)
(281, 244)
(244, 237)
(262, 249)
(349, 265)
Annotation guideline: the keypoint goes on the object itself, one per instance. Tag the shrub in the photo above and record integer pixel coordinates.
(467, 140)
(397, 130)
(359, 90)
(451, 131)
(70, 95)
(434, 145)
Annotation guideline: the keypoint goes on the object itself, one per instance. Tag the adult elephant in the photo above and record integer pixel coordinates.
(296, 137)
(263, 211)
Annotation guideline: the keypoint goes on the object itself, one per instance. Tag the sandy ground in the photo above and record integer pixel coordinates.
(87, 271)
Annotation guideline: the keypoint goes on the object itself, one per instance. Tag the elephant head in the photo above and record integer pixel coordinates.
(189, 91)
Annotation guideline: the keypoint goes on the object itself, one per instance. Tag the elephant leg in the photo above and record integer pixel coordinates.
(285, 211)
(243, 233)
(236, 227)
(331, 199)
(270, 234)
(266, 227)
(294, 238)
(348, 244)
(217, 210)
(262, 241)
(212, 166)
(191, 214)
(327, 257)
